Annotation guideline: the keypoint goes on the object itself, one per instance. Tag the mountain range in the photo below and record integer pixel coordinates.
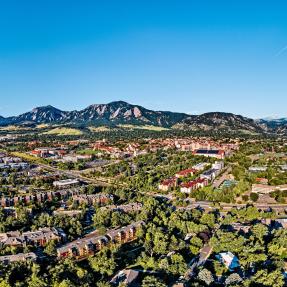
(120, 112)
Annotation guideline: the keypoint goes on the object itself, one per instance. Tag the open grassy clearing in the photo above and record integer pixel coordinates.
(145, 127)
(64, 132)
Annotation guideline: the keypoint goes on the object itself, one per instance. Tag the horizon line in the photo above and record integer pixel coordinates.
(195, 113)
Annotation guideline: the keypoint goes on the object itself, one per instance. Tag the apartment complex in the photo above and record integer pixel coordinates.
(92, 243)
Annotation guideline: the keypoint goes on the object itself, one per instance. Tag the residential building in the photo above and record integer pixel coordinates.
(24, 257)
(39, 197)
(93, 242)
(188, 187)
(12, 238)
(200, 166)
(168, 184)
(127, 277)
(219, 165)
(229, 260)
(185, 173)
(44, 235)
(36, 238)
(210, 174)
(92, 199)
(131, 207)
(18, 165)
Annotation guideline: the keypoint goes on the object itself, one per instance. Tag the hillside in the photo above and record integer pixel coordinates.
(100, 114)
(277, 125)
(121, 113)
(222, 121)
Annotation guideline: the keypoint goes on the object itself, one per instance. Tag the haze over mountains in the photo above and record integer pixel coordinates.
(120, 112)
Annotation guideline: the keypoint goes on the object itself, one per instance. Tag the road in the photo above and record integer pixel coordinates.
(199, 204)
(228, 207)
(209, 205)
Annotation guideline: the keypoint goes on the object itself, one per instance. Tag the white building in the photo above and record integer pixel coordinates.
(229, 260)
(257, 168)
(66, 182)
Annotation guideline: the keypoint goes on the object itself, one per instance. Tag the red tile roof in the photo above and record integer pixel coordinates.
(186, 172)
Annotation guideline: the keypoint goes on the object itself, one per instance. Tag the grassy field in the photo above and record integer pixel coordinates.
(145, 127)
(28, 157)
(249, 132)
(88, 151)
(99, 129)
(14, 128)
(42, 126)
(64, 132)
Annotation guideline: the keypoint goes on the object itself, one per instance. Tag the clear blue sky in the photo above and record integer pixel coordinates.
(189, 56)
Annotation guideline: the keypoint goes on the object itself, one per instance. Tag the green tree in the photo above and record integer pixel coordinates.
(151, 281)
(269, 279)
(233, 279)
(205, 276)
(103, 262)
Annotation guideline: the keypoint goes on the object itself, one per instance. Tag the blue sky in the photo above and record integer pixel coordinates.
(188, 56)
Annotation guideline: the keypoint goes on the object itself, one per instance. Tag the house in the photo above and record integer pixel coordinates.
(185, 173)
(18, 257)
(229, 260)
(237, 226)
(168, 184)
(127, 277)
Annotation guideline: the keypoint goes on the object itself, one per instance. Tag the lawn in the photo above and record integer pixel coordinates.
(145, 127)
(64, 132)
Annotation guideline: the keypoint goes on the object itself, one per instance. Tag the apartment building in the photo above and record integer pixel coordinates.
(21, 257)
(36, 238)
(92, 243)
